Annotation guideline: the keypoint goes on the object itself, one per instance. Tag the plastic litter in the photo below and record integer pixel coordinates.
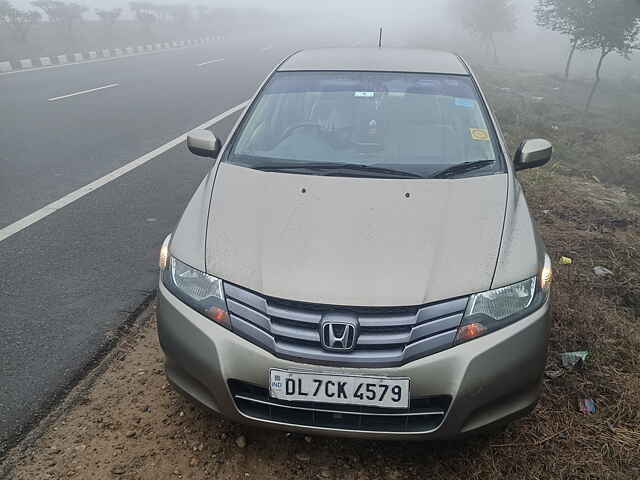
(573, 359)
(566, 260)
(552, 374)
(602, 271)
(587, 406)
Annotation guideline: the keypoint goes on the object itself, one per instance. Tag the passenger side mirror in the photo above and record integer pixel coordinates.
(203, 143)
(532, 153)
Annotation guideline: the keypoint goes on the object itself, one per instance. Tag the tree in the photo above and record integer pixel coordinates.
(18, 21)
(568, 17)
(485, 18)
(203, 12)
(162, 12)
(109, 18)
(144, 12)
(64, 14)
(180, 13)
(613, 26)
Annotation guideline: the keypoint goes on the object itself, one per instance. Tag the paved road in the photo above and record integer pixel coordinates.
(50, 148)
(69, 279)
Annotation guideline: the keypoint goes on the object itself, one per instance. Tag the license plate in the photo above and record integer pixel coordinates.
(326, 388)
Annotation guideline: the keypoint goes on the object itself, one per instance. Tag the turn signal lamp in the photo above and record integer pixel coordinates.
(470, 331)
(218, 315)
(546, 276)
(164, 253)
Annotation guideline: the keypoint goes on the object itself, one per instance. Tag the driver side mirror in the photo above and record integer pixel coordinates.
(532, 153)
(204, 143)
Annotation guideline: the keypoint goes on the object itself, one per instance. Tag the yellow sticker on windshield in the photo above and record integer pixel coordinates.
(479, 134)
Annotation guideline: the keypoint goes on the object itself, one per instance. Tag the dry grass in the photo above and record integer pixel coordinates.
(603, 144)
(594, 226)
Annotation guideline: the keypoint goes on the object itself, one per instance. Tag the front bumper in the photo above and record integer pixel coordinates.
(488, 380)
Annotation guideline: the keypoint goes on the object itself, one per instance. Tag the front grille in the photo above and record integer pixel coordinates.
(388, 336)
(423, 415)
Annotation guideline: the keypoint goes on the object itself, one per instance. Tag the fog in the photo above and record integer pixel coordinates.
(408, 23)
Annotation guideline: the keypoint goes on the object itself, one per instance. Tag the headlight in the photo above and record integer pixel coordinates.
(200, 291)
(494, 309)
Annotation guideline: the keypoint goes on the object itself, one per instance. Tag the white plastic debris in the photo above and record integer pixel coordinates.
(573, 359)
(602, 271)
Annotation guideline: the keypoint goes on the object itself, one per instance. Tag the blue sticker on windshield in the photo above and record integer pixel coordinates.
(465, 102)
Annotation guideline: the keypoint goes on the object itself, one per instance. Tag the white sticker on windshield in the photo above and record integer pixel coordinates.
(364, 94)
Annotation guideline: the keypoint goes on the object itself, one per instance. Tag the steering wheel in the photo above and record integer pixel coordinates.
(293, 128)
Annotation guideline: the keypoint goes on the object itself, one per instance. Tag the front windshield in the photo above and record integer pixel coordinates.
(418, 124)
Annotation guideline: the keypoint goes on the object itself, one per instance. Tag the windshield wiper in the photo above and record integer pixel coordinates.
(463, 167)
(338, 168)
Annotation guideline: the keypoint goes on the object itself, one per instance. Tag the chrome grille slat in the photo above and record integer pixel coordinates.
(253, 316)
(418, 332)
(293, 315)
(442, 309)
(383, 338)
(342, 412)
(305, 334)
(252, 333)
(316, 354)
(389, 336)
(246, 297)
(430, 345)
(435, 326)
(388, 320)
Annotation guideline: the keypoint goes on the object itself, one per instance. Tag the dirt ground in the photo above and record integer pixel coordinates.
(126, 422)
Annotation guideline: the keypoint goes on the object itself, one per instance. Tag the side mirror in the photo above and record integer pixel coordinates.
(203, 143)
(532, 153)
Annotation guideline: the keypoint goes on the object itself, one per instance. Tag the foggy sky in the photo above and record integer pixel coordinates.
(413, 22)
(364, 7)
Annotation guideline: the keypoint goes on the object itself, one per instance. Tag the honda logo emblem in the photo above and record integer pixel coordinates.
(339, 334)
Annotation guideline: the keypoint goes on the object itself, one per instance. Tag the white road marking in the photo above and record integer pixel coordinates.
(97, 60)
(266, 49)
(47, 210)
(82, 92)
(210, 61)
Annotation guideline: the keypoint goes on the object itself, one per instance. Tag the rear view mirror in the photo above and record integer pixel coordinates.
(203, 143)
(532, 153)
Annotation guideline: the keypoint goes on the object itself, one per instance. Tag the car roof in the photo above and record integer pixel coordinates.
(375, 59)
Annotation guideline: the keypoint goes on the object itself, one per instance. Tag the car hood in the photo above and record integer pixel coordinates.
(354, 241)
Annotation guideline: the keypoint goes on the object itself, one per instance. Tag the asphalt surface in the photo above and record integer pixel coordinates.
(70, 280)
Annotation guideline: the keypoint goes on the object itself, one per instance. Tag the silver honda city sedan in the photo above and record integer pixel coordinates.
(360, 261)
